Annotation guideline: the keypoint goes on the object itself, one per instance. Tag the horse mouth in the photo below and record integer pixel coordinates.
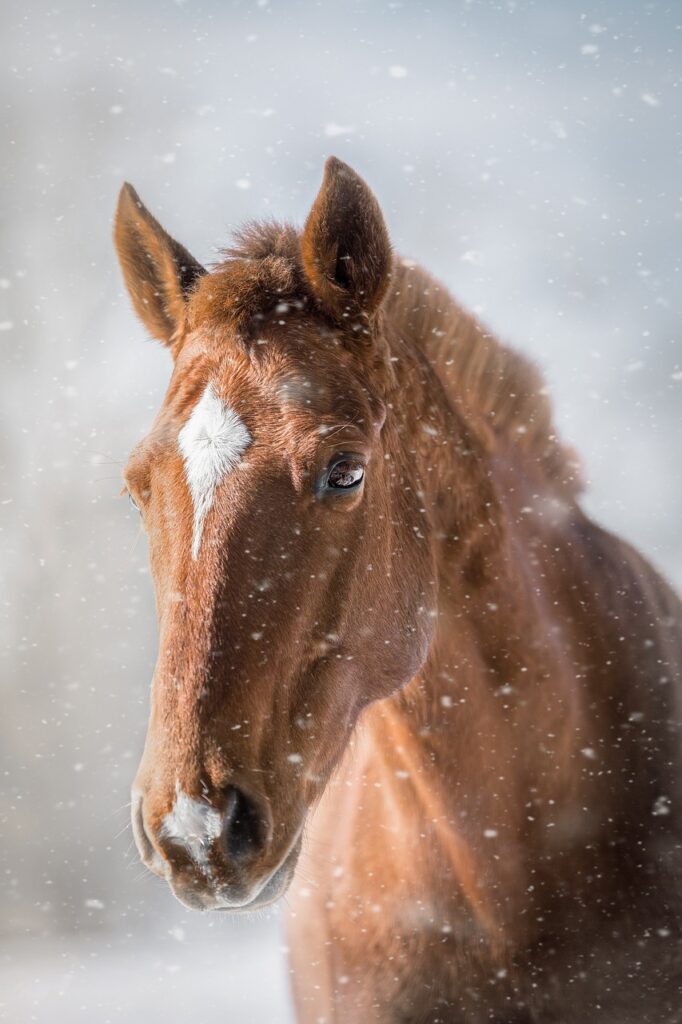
(274, 888)
(242, 899)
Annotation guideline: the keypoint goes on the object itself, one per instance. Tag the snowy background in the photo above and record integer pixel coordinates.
(527, 152)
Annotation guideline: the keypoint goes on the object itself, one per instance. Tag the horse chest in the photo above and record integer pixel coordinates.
(371, 948)
(354, 970)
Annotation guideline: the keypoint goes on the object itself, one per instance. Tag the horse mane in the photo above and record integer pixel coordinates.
(488, 378)
(262, 266)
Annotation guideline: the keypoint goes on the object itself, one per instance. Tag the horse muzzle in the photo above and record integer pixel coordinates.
(216, 857)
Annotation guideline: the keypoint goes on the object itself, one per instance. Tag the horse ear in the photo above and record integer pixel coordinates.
(159, 272)
(345, 246)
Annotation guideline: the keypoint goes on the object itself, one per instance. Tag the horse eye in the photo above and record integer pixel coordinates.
(134, 503)
(346, 474)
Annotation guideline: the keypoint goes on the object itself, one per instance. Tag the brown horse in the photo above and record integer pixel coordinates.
(390, 636)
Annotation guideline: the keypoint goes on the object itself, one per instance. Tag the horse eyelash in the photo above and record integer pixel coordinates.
(123, 492)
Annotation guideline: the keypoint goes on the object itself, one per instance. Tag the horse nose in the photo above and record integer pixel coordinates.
(246, 826)
(216, 849)
(233, 830)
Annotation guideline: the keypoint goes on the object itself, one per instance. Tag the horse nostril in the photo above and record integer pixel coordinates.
(245, 831)
(142, 840)
(145, 847)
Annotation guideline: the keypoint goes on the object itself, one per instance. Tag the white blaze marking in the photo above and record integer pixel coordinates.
(193, 824)
(212, 443)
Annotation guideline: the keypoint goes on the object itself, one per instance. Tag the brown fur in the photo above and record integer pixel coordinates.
(479, 687)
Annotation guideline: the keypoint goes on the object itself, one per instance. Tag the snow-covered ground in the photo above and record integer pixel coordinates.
(208, 975)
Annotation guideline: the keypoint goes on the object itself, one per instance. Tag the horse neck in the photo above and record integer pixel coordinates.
(470, 735)
(450, 458)
(490, 610)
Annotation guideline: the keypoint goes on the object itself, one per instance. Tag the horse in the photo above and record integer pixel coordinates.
(397, 661)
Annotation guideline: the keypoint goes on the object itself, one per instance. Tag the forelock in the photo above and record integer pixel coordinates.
(259, 271)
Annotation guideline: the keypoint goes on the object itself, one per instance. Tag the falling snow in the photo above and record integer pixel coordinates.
(524, 153)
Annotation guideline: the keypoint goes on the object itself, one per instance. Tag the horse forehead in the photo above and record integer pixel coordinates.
(290, 368)
(326, 389)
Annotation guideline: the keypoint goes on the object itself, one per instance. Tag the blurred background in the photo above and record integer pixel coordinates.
(526, 152)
